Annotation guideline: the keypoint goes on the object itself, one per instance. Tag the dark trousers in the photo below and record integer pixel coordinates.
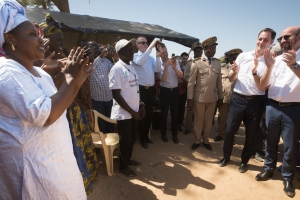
(127, 130)
(169, 99)
(261, 135)
(284, 121)
(146, 96)
(181, 108)
(249, 111)
(105, 109)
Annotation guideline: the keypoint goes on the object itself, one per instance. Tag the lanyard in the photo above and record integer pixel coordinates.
(134, 74)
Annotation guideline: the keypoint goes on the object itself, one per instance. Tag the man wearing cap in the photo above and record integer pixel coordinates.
(204, 91)
(198, 51)
(283, 108)
(127, 108)
(145, 66)
(227, 92)
(170, 73)
(246, 103)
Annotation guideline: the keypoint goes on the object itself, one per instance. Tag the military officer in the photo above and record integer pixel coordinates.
(205, 91)
(227, 92)
(198, 50)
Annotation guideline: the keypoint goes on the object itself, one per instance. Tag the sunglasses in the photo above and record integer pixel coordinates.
(143, 43)
(286, 37)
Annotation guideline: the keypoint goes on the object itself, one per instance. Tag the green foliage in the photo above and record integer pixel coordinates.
(45, 4)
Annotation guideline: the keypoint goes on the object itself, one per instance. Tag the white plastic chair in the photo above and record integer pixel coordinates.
(109, 142)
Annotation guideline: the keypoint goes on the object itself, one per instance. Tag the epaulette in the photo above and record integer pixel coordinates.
(195, 59)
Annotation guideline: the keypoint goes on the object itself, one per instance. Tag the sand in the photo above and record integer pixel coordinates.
(174, 171)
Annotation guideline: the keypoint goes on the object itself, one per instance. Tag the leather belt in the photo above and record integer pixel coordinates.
(285, 103)
(169, 88)
(245, 96)
(146, 87)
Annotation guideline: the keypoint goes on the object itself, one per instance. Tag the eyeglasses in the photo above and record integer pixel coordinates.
(143, 43)
(286, 37)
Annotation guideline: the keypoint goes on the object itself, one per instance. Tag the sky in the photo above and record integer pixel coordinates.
(236, 23)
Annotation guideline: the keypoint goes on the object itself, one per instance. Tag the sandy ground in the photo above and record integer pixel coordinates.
(171, 171)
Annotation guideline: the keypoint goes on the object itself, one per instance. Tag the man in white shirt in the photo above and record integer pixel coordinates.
(283, 108)
(169, 97)
(145, 66)
(248, 94)
(127, 109)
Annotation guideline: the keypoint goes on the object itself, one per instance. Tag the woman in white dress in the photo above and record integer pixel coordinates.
(36, 154)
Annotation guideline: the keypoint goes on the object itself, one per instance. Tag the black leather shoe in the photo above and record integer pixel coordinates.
(134, 163)
(175, 139)
(263, 176)
(223, 162)
(195, 146)
(218, 138)
(145, 145)
(243, 168)
(128, 172)
(179, 128)
(185, 132)
(149, 141)
(164, 138)
(208, 147)
(289, 188)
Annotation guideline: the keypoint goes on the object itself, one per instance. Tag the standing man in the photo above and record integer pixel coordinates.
(127, 109)
(102, 99)
(227, 92)
(204, 91)
(198, 50)
(283, 108)
(170, 73)
(145, 66)
(248, 95)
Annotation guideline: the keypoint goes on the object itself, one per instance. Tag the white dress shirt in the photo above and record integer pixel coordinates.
(245, 83)
(172, 80)
(285, 85)
(145, 66)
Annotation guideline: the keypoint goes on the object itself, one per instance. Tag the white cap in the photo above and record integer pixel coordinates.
(122, 43)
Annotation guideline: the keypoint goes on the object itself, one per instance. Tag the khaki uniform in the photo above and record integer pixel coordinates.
(189, 113)
(227, 92)
(204, 88)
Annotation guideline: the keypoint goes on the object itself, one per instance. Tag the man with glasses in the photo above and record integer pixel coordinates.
(146, 66)
(283, 108)
(204, 91)
(246, 103)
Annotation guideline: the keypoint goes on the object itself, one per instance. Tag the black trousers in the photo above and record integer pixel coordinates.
(249, 111)
(282, 121)
(181, 108)
(169, 99)
(146, 96)
(127, 130)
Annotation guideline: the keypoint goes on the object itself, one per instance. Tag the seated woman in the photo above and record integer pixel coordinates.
(36, 155)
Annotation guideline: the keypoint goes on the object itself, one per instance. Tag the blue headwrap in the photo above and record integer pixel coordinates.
(11, 15)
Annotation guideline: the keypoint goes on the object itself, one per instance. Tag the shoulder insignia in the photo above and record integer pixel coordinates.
(196, 59)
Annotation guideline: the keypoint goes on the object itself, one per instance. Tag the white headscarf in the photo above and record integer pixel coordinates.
(11, 15)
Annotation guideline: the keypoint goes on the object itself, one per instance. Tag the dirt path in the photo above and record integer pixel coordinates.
(172, 171)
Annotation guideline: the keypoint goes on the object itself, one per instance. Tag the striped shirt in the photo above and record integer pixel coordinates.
(99, 80)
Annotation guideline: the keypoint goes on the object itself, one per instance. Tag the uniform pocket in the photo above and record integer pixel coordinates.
(203, 73)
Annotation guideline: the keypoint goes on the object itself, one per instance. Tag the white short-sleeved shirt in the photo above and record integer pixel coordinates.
(245, 83)
(124, 77)
(36, 162)
(285, 85)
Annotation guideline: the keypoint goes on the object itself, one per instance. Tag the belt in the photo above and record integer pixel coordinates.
(285, 103)
(245, 96)
(169, 88)
(146, 87)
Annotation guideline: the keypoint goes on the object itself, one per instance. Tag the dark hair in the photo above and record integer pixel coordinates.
(273, 33)
(184, 54)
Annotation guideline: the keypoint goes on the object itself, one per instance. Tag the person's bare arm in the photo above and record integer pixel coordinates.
(178, 72)
(290, 59)
(266, 77)
(232, 76)
(76, 71)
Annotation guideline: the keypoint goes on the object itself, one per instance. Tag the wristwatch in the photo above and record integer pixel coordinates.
(295, 66)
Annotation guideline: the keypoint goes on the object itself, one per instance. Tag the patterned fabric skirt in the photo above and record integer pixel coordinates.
(83, 146)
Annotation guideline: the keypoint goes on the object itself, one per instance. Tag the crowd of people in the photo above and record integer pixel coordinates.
(47, 115)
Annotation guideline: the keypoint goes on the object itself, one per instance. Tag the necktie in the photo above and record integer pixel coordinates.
(209, 60)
